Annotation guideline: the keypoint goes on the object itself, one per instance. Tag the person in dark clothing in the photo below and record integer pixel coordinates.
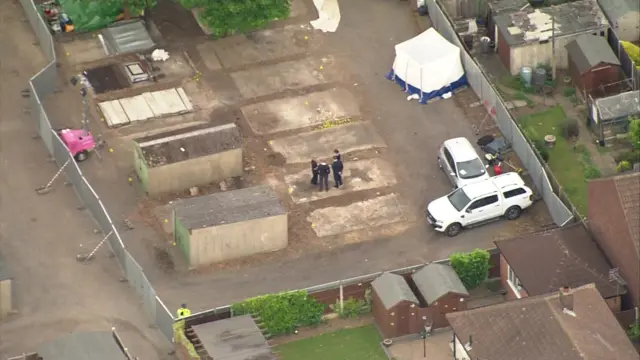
(314, 172)
(336, 154)
(323, 171)
(337, 167)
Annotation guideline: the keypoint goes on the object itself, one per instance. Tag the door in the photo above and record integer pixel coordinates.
(483, 209)
(450, 167)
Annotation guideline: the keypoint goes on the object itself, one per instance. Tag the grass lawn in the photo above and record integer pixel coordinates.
(568, 166)
(361, 343)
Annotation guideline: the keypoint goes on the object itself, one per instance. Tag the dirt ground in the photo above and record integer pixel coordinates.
(355, 58)
(40, 236)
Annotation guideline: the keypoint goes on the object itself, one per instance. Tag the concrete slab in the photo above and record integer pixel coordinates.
(412, 347)
(136, 108)
(169, 102)
(319, 144)
(263, 45)
(208, 55)
(383, 210)
(301, 111)
(185, 99)
(357, 175)
(271, 79)
(113, 113)
(83, 51)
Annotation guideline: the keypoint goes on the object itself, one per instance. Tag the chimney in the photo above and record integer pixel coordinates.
(566, 298)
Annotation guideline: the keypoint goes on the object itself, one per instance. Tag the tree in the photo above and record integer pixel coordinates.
(634, 132)
(472, 268)
(226, 17)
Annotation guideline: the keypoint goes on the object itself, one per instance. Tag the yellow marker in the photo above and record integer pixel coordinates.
(130, 179)
(68, 54)
(110, 150)
(166, 220)
(174, 243)
(313, 225)
(306, 38)
(270, 142)
(306, 102)
(321, 67)
(290, 190)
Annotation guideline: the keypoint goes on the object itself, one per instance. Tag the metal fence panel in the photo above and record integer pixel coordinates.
(164, 319)
(40, 28)
(45, 81)
(134, 274)
(148, 297)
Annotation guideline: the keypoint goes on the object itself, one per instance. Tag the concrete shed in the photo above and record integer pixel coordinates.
(624, 16)
(230, 225)
(6, 290)
(394, 304)
(440, 288)
(177, 160)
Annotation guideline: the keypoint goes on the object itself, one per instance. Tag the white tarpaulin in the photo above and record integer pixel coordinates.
(328, 15)
(428, 66)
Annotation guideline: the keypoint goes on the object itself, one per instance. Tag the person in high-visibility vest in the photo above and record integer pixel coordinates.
(183, 311)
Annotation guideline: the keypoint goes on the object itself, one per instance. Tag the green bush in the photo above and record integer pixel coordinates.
(630, 156)
(591, 172)
(532, 134)
(543, 150)
(472, 268)
(634, 133)
(283, 313)
(351, 308)
(570, 128)
(623, 166)
(231, 16)
(634, 331)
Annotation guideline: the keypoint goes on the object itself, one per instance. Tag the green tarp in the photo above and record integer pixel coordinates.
(90, 15)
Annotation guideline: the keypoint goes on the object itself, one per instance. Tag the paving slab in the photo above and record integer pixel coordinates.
(301, 111)
(208, 55)
(357, 176)
(319, 144)
(263, 45)
(383, 210)
(272, 79)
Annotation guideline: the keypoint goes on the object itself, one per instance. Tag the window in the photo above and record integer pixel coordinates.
(458, 199)
(471, 169)
(484, 202)
(514, 282)
(449, 159)
(514, 192)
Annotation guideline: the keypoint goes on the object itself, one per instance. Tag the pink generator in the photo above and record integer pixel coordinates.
(79, 142)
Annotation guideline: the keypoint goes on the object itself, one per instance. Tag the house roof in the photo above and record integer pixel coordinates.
(618, 106)
(536, 328)
(617, 9)
(547, 261)
(436, 280)
(393, 289)
(188, 143)
(532, 26)
(228, 207)
(626, 190)
(236, 338)
(588, 51)
(94, 345)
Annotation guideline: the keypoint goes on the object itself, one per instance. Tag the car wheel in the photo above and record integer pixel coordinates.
(453, 229)
(513, 213)
(81, 156)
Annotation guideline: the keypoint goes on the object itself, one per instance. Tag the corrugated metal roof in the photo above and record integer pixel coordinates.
(619, 106)
(95, 345)
(127, 37)
(392, 289)
(436, 280)
(587, 51)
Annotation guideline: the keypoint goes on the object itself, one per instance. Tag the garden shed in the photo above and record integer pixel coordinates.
(6, 290)
(439, 287)
(230, 225)
(177, 160)
(610, 116)
(394, 304)
(592, 64)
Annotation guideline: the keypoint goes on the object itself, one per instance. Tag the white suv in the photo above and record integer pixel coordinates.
(461, 162)
(480, 202)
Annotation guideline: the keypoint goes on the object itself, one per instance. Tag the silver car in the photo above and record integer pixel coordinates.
(461, 163)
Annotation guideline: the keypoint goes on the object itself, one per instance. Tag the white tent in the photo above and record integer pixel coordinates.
(428, 65)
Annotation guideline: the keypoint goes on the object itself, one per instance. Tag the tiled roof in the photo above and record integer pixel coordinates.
(628, 188)
(536, 328)
(547, 261)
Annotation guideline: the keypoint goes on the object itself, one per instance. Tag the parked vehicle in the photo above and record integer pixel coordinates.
(79, 142)
(477, 203)
(461, 163)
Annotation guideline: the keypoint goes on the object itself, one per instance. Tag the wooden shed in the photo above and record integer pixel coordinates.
(393, 305)
(593, 65)
(229, 225)
(441, 290)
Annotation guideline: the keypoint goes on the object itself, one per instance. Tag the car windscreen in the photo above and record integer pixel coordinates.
(458, 199)
(471, 169)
